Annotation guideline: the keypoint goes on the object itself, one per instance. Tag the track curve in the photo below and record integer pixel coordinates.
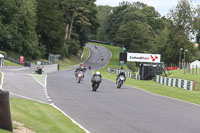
(126, 110)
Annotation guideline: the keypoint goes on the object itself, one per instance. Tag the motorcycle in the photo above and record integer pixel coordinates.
(95, 83)
(90, 67)
(120, 81)
(80, 76)
(102, 58)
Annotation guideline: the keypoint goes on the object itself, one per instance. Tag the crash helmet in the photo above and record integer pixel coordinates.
(98, 73)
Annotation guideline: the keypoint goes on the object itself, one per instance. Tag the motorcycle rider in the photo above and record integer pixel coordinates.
(121, 74)
(96, 74)
(90, 66)
(80, 68)
(102, 57)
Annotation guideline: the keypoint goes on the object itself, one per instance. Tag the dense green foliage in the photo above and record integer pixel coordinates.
(35, 28)
(140, 28)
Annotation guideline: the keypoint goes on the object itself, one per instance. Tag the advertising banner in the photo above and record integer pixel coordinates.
(141, 57)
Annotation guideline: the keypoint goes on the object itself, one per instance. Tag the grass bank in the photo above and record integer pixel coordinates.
(73, 60)
(150, 86)
(8, 63)
(41, 118)
(187, 76)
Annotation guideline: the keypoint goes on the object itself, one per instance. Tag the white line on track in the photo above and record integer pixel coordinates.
(28, 98)
(87, 57)
(2, 77)
(160, 95)
(53, 105)
(71, 118)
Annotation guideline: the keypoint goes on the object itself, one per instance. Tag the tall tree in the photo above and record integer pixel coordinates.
(50, 28)
(183, 16)
(17, 26)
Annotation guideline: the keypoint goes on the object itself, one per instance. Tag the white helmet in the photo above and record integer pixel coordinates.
(98, 73)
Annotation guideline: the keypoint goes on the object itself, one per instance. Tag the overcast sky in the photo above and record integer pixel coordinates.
(162, 6)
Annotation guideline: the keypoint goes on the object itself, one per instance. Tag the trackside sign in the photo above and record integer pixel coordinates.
(140, 57)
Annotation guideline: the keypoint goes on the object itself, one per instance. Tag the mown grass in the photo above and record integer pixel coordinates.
(150, 86)
(73, 60)
(41, 118)
(8, 63)
(4, 131)
(187, 76)
(180, 74)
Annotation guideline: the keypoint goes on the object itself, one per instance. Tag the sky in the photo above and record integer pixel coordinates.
(162, 6)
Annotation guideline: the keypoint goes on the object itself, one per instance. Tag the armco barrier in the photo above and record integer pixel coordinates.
(128, 73)
(180, 83)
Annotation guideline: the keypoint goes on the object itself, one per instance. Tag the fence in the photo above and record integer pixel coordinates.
(180, 83)
(128, 73)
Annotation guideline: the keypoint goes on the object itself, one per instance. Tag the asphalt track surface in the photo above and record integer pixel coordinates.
(20, 84)
(125, 110)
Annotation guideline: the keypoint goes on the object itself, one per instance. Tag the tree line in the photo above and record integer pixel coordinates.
(141, 29)
(35, 28)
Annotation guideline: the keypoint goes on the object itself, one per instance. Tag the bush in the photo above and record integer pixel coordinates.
(131, 66)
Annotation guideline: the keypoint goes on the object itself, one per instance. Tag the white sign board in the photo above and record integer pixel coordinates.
(141, 57)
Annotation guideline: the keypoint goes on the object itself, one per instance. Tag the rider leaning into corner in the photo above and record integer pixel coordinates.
(121, 74)
(96, 74)
(80, 68)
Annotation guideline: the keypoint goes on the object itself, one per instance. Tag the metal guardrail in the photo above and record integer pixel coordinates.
(128, 73)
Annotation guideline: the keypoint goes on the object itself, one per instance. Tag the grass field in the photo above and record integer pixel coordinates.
(193, 77)
(150, 86)
(4, 131)
(41, 118)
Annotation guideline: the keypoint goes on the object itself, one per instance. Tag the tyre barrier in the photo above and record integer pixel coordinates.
(180, 83)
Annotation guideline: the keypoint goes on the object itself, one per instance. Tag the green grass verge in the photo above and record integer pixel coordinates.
(41, 118)
(8, 63)
(4, 131)
(40, 78)
(150, 86)
(73, 60)
(86, 54)
(193, 77)
(180, 74)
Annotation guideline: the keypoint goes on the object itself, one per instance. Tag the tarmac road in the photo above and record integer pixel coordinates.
(125, 110)
(20, 84)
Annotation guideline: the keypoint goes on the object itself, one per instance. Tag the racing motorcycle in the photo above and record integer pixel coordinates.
(90, 67)
(80, 76)
(102, 58)
(96, 82)
(120, 81)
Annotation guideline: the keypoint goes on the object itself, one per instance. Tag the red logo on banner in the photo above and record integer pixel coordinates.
(21, 59)
(154, 58)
